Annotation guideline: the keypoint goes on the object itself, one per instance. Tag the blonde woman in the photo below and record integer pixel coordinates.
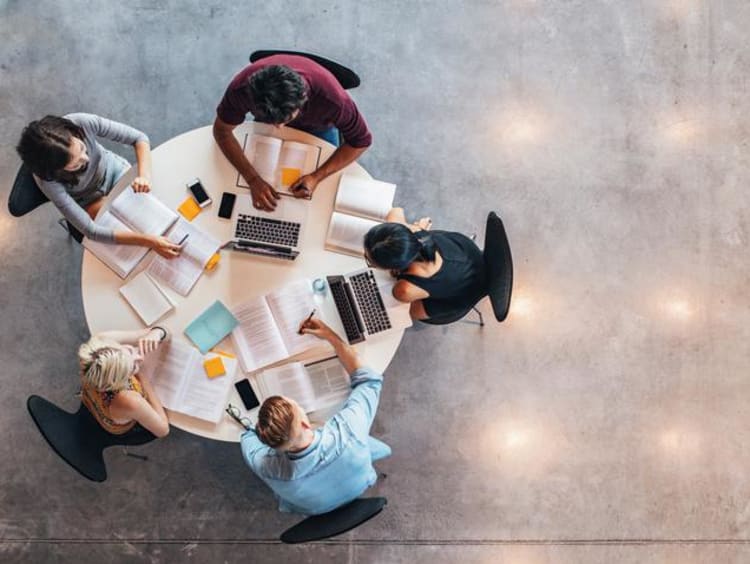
(114, 392)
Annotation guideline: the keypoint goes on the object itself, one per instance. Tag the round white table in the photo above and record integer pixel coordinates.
(238, 276)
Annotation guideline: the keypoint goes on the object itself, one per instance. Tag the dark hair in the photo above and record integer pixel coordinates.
(277, 92)
(45, 148)
(275, 420)
(395, 246)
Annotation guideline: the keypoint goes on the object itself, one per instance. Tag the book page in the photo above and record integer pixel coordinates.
(257, 339)
(347, 233)
(143, 211)
(181, 273)
(204, 397)
(290, 380)
(364, 197)
(263, 153)
(146, 298)
(330, 382)
(120, 258)
(169, 367)
(290, 306)
(296, 160)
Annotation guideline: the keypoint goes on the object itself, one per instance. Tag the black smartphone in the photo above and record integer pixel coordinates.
(246, 394)
(199, 192)
(227, 205)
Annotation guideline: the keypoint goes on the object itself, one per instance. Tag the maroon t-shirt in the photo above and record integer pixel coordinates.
(328, 104)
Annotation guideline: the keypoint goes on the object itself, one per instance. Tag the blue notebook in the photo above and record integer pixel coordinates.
(211, 326)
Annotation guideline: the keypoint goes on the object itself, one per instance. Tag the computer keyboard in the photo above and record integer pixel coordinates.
(267, 230)
(343, 300)
(370, 302)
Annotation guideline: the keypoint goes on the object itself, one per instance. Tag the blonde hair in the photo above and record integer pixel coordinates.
(105, 365)
(275, 420)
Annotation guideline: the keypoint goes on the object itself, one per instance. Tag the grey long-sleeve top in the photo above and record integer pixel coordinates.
(71, 200)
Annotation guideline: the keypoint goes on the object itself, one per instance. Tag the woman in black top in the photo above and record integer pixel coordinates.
(439, 273)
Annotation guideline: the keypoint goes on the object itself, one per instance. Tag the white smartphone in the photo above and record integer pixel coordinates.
(199, 192)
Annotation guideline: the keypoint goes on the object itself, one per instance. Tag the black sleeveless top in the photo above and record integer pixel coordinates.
(461, 280)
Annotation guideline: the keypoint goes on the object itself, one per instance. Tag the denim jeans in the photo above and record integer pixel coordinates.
(331, 135)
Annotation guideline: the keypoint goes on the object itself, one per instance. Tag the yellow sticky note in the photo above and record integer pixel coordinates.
(212, 262)
(189, 209)
(214, 367)
(290, 175)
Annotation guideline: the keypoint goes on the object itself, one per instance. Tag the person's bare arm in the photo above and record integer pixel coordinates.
(407, 292)
(341, 157)
(397, 215)
(148, 412)
(264, 196)
(142, 182)
(346, 353)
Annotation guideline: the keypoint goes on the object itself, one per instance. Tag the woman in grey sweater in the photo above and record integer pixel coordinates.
(75, 172)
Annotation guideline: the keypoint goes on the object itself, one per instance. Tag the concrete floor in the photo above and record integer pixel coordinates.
(605, 422)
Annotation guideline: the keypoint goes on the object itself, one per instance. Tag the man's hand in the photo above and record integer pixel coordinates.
(319, 329)
(141, 184)
(305, 186)
(264, 196)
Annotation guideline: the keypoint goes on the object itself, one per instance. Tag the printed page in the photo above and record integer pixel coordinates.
(364, 197)
(330, 382)
(290, 380)
(169, 369)
(146, 298)
(257, 339)
(290, 306)
(183, 272)
(346, 233)
(296, 159)
(120, 258)
(263, 153)
(143, 212)
(204, 397)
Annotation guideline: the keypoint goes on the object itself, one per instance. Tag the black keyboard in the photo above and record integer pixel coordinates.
(342, 297)
(370, 302)
(267, 230)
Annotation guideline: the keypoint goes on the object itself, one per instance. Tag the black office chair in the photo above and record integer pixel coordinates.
(78, 439)
(25, 197)
(336, 522)
(346, 77)
(498, 263)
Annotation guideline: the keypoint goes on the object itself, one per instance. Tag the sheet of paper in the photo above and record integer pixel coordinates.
(296, 159)
(205, 397)
(346, 233)
(143, 212)
(263, 154)
(330, 382)
(122, 259)
(257, 339)
(167, 368)
(146, 298)
(290, 380)
(364, 197)
(290, 306)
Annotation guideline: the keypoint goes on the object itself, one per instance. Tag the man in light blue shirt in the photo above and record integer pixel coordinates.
(314, 471)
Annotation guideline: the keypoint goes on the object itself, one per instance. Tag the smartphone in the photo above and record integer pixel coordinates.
(227, 205)
(246, 394)
(199, 192)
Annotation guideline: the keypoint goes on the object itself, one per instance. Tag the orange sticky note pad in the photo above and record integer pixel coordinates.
(189, 209)
(290, 175)
(214, 367)
(212, 262)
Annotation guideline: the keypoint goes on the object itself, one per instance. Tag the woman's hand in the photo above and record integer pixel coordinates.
(424, 224)
(141, 184)
(151, 342)
(165, 247)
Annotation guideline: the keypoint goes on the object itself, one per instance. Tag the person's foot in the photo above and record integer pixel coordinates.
(425, 223)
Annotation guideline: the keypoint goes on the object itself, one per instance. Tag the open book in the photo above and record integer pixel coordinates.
(130, 211)
(181, 383)
(280, 163)
(268, 326)
(181, 273)
(361, 203)
(319, 388)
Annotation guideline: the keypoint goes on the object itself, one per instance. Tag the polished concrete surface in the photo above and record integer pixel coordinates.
(605, 422)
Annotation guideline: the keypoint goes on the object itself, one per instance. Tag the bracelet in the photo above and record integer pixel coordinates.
(163, 331)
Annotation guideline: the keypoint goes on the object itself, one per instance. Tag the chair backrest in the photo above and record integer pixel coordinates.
(25, 195)
(499, 264)
(336, 522)
(347, 78)
(77, 438)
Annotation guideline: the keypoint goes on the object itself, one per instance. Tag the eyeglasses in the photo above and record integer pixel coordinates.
(236, 414)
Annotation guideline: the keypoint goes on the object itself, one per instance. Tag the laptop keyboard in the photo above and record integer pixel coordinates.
(267, 230)
(370, 302)
(343, 299)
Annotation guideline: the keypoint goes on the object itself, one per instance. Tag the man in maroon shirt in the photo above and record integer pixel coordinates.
(296, 91)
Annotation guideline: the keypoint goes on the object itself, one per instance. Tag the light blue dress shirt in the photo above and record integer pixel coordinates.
(337, 466)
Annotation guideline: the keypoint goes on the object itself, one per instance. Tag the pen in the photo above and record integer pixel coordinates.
(183, 240)
(309, 317)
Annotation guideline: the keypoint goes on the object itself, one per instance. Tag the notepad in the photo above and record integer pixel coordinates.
(280, 163)
(211, 326)
(189, 209)
(146, 298)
